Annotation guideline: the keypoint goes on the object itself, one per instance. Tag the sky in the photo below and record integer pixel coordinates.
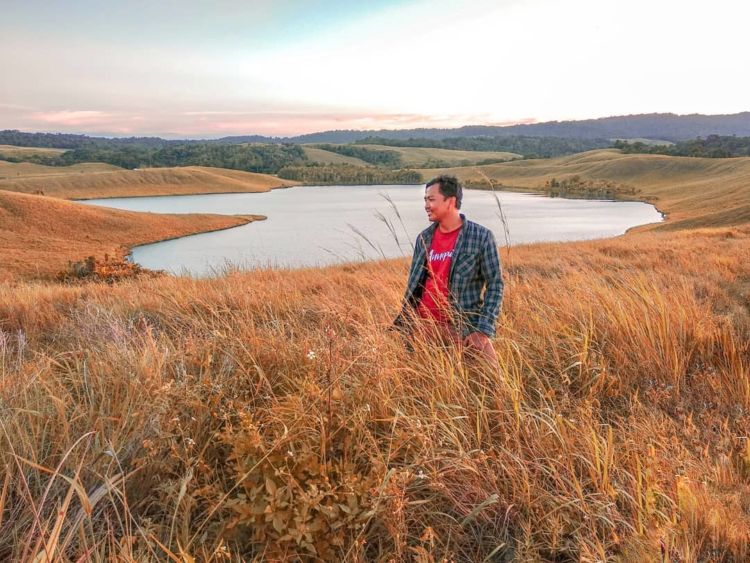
(205, 69)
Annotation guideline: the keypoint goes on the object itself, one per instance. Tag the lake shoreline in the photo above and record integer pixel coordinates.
(344, 224)
(77, 199)
(247, 218)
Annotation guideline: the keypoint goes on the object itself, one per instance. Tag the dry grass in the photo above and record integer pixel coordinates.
(411, 156)
(91, 181)
(697, 192)
(11, 150)
(40, 235)
(270, 415)
(418, 156)
(12, 171)
(327, 157)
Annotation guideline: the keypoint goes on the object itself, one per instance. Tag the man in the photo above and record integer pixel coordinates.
(454, 261)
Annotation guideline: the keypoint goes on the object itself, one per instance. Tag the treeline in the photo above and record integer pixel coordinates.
(575, 185)
(342, 174)
(713, 146)
(529, 147)
(72, 141)
(440, 163)
(386, 158)
(250, 158)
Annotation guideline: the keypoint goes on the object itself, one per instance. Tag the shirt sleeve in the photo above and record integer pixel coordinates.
(401, 319)
(493, 297)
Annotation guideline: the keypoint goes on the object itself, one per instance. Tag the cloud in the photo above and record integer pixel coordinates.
(86, 117)
(75, 121)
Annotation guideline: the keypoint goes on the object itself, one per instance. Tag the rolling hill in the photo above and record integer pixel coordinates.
(89, 181)
(14, 151)
(420, 156)
(40, 235)
(323, 156)
(694, 191)
(10, 171)
(410, 156)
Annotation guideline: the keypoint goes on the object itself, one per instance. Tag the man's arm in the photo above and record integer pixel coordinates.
(493, 296)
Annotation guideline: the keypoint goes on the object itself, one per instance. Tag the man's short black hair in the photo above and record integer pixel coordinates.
(449, 187)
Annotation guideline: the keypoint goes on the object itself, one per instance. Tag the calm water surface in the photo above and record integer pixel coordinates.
(318, 225)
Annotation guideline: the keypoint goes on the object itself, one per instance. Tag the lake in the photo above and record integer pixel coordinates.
(320, 225)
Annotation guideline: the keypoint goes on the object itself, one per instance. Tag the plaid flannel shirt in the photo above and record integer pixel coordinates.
(475, 266)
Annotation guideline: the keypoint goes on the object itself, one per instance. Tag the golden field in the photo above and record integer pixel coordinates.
(92, 181)
(272, 416)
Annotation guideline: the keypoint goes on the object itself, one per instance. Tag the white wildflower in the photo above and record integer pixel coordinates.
(311, 355)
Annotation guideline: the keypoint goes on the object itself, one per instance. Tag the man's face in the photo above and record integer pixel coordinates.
(436, 204)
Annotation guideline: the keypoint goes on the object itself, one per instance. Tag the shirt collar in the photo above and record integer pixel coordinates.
(434, 226)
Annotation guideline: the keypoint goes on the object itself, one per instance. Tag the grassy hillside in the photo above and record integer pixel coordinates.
(40, 235)
(327, 157)
(411, 157)
(10, 171)
(88, 181)
(419, 156)
(694, 191)
(13, 151)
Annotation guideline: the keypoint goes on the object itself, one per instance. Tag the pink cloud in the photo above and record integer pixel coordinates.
(67, 117)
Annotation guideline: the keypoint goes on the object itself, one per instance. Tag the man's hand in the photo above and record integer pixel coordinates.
(477, 340)
(480, 344)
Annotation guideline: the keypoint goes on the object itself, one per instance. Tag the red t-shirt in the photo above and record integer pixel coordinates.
(434, 303)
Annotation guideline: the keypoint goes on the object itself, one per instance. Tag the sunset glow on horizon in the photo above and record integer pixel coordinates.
(200, 69)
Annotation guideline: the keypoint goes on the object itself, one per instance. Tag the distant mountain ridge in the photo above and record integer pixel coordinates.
(662, 126)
